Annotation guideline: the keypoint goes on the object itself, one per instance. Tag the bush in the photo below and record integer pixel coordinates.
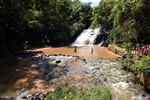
(88, 93)
(143, 65)
(127, 61)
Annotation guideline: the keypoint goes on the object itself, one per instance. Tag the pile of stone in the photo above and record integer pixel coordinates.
(55, 68)
(27, 96)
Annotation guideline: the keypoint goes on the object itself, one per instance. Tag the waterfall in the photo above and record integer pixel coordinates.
(88, 37)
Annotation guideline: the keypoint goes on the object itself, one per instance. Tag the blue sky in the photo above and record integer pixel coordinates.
(94, 2)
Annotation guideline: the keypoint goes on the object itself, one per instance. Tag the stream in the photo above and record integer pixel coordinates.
(121, 83)
(108, 73)
(49, 66)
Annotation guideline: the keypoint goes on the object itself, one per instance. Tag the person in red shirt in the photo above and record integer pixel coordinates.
(144, 51)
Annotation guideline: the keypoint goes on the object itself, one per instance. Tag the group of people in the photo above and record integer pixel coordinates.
(75, 50)
(141, 49)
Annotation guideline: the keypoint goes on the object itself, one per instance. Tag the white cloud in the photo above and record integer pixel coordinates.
(90, 1)
(94, 2)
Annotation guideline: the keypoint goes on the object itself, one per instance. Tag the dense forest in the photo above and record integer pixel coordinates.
(33, 23)
(126, 20)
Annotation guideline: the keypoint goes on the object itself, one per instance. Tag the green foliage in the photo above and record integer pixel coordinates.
(26, 45)
(123, 24)
(125, 33)
(127, 20)
(143, 65)
(95, 17)
(100, 14)
(49, 21)
(80, 16)
(40, 23)
(88, 93)
(127, 61)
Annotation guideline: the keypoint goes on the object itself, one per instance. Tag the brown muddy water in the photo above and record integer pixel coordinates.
(98, 51)
(12, 78)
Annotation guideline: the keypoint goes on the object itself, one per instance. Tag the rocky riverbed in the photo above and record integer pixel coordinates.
(47, 71)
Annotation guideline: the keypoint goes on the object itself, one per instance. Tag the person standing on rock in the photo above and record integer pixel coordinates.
(75, 49)
(92, 50)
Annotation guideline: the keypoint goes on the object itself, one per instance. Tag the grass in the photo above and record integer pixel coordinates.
(88, 93)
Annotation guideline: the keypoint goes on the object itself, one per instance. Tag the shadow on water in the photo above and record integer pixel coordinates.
(9, 74)
(27, 74)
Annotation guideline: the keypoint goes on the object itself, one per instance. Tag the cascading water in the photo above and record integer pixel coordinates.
(122, 84)
(88, 37)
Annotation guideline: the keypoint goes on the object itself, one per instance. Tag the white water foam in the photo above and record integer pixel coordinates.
(87, 37)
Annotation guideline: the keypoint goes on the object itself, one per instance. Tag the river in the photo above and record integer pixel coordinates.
(101, 65)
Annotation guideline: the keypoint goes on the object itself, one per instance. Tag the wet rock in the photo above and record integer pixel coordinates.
(42, 56)
(18, 93)
(84, 60)
(46, 72)
(105, 79)
(46, 83)
(40, 77)
(49, 75)
(48, 55)
(143, 95)
(55, 54)
(53, 68)
(40, 96)
(22, 95)
(58, 61)
(38, 67)
(33, 66)
(47, 78)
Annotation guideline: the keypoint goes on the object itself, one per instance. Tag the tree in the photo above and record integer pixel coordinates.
(13, 23)
(37, 23)
(80, 16)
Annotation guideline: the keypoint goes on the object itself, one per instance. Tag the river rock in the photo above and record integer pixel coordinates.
(34, 66)
(46, 71)
(58, 61)
(30, 97)
(54, 68)
(22, 95)
(105, 79)
(38, 67)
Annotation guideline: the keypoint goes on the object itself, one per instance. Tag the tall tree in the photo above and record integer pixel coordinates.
(80, 16)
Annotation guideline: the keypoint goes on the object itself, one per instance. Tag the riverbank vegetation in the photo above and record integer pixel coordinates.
(136, 63)
(127, 23)
(85, 93)
(140, 66)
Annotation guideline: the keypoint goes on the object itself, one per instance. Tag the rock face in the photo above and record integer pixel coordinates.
(48, 71)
